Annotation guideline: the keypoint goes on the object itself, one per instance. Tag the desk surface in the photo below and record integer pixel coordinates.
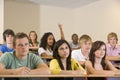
(48, 57)
(34, 48)
(113, 58)
(65, 75)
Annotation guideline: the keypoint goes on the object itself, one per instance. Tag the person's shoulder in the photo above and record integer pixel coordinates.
(106, 61)
(88, 62)
(53, 61)
(3, 46)
(41, 48)
(30, 54)
(118, 46)
(70, 42)
(7, 54)
(72, 59)
(76, 52)
(108, 45)
(33, 56)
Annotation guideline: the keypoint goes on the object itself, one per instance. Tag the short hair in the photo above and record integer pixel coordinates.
(84, 38)
(19, 35)
(8, 32)
(112, 34)
(74, 35)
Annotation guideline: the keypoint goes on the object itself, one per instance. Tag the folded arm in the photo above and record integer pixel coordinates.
(42, 68)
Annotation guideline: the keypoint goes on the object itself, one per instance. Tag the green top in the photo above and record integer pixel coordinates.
(10, 61)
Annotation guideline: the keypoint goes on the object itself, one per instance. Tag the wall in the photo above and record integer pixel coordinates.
(96, 19)
(1, 20)
(50, 17)
(22, 16)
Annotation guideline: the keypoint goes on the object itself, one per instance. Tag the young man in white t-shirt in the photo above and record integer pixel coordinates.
(81, 55)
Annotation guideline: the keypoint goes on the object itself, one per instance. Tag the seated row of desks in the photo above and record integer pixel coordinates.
(60, 75)
(112, 58)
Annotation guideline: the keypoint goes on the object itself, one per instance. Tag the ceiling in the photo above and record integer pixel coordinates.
(61, 3)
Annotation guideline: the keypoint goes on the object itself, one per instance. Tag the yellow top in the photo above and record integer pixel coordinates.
(55, 68)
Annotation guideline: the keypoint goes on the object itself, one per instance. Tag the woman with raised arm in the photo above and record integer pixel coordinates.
(47, 43)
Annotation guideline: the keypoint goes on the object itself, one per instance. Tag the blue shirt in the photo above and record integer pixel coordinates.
(4, 48)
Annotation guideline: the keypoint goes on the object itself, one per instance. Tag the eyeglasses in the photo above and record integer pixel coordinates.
(22, 45)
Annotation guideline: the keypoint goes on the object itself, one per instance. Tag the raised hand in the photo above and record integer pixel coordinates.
(61, 31)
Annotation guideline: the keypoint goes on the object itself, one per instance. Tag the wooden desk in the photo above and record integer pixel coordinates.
(61, 75)
(42, 76)
(113, 58)
(48, 57)
(33, 48)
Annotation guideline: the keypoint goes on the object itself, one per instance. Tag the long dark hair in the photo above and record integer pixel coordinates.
(44, 40)
(56, 54)
(95, 46)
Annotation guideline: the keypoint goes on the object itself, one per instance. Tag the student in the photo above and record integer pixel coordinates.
(8, 36)
(21, 62)
(97, 64)
(46, 45)
(113, 49)
(33, 39)
(81, 55)
(74, 44)
(62, 62)
(33, 43)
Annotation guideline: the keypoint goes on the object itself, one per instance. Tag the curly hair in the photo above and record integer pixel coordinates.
(44, 40)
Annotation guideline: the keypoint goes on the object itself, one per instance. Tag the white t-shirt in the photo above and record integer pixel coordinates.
(77, 54)
(74, 45)
(42, 50)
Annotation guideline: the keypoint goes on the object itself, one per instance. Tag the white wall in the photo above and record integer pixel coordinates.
(1, 20)
(98, 19)
(22, 16)
(51, 16)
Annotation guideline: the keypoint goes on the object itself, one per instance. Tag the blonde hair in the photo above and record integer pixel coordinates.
(85, 38)
(112, 34)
